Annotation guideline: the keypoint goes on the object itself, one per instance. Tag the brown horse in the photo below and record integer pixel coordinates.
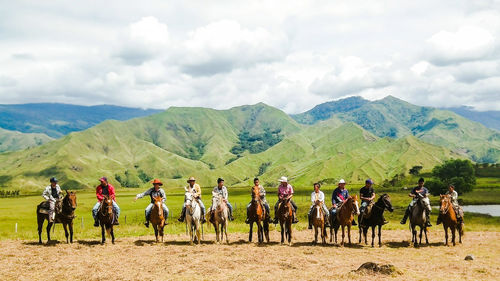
(376, 218)
(157, 218)
(345, 215)
(449, 219)
(257, 214)
(65, 213)
(285, 217)
(220, 217)
(106, 217)
(318, 221)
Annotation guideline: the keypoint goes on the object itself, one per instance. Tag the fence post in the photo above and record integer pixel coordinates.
(82, 222)
(16, 227)
(125, 219)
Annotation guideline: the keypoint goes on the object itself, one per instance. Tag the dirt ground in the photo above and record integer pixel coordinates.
(142, 259)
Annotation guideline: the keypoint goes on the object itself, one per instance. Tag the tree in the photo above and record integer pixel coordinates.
(458, 172)
(415, 170)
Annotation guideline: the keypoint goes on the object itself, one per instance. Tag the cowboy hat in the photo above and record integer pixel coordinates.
(283, 179)
(341, 181)
(157, 181)
(191, 179)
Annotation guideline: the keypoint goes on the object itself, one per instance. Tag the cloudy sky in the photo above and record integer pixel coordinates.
(219, 54)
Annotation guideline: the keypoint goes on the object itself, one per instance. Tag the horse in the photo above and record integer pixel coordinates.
(376, 218)
(449, 219)
(220, 216)
(285, 217)
(418, 218)
(344, 217)
(318, 221)
(193, 218)
(157, 217)
(65, 216)
(106, 217)
(257, 214)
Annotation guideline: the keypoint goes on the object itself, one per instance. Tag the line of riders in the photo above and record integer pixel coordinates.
(53, 194)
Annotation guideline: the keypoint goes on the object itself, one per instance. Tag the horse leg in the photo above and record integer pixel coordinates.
(360, 233)
(266, 230)
(65, 226)
(289, 233)
(323, 238)
(112, 235)
(225, 231)
(103, 234)
(365, 233)
(420, 236)
(426, 239)
(251, 232)
(315, 235)
(282, 233)
(259, 232)
(155, 227)
(49, 226)
(343, 235)
(70, 225)
(380, 235)
(373, 234)
(349, 233)
(331, 233)
(452, 235)
(40, 219)
(445, 234)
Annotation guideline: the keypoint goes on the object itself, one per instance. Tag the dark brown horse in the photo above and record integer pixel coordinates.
(106, 217)
(318, 222)
(376, 218)
(257, 214)
(285, 217)
(345, 215)
(449, 219)
(65, 213)
(157, 218)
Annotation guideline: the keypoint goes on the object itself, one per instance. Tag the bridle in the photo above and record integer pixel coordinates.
(446, 200)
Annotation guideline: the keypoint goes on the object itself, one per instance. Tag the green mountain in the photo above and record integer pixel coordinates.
(56, 119)
(392, 117)
(237, 144)
(12, 140)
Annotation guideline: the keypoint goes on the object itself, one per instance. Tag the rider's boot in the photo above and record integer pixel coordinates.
(231, 218)
(295, 220)
(96, 222)
(427, 216)
(183, 214)
(247, 221)
(405, 217)
(327, 221)
(147, 222)
(203, 219)
(116, 221)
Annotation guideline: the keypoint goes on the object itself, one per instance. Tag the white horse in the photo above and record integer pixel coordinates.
(220, 218)
(193, 218)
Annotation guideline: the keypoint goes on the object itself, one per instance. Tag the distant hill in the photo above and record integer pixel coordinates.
(490, 119)
(12, 140)
(237, 144)
(57, 120)
(392, 117)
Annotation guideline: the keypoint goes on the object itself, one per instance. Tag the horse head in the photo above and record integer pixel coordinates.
(444, 203)
(354, 203)
(386, 200)
(71, 195)
(256, 193)
(158, 202)
(107, 205)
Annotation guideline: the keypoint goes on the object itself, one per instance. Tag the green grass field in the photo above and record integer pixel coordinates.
(21, 210)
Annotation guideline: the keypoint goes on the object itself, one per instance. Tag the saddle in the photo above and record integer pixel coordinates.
(44, 207)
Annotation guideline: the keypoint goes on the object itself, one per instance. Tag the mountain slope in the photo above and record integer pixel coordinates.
(392, 117)
(490, 119)
(56, 120)
(12, 140)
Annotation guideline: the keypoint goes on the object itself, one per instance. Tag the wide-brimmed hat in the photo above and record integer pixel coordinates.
(341, 181)
(157, 181)
(283, 179)
(191, 179)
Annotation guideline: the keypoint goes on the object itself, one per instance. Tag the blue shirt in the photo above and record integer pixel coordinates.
(339, 195)
(424, 192)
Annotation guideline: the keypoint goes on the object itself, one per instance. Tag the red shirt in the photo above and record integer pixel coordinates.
(100, 196)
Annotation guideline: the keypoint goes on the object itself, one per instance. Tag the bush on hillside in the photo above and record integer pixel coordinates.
(458, 172)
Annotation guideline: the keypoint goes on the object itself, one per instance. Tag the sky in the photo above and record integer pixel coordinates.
(289, 54)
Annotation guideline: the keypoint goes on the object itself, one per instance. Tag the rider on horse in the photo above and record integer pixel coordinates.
(262, 193)
(454, 202)
(367, 195)
(195, 190)
(339, 196)
(285, 191)
(154, 191)
(422, 191)
(52, 193)
(105, 188)
(221, 190)
(316, 197)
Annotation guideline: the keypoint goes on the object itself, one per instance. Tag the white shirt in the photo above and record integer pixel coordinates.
(317, 196)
